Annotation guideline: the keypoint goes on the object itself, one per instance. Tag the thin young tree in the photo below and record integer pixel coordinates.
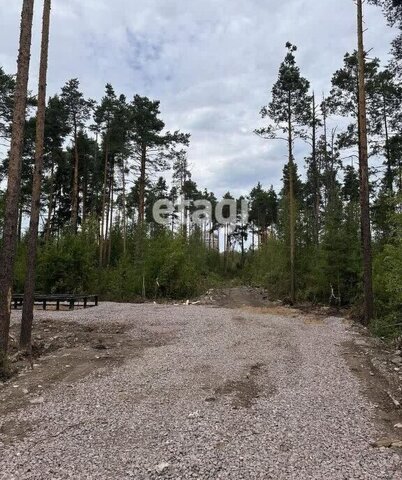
(7, 254)
(28, 305)
(150, 143)
(289, 113)
(79, 110)
(181, 174)
(364, 174)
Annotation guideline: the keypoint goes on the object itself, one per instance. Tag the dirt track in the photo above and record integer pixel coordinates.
(152, 391)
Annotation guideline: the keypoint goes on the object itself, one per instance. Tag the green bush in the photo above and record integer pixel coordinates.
(67, 265)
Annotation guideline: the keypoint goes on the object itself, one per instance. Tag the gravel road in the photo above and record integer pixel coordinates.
(226, 394)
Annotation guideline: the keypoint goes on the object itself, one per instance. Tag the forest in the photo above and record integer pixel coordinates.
(79, 178)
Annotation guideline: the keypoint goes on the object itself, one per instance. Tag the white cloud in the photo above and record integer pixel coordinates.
(211, 63)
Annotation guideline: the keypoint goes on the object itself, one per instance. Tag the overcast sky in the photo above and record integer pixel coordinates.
(211, 63)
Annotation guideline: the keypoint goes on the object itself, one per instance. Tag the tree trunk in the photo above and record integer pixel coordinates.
(324, 115)
(141, 193)
(364, 175)
(124, 208)
(20, 216)
(292, 219)
(316, 181)
(28, 305)
(74, 200)
(27, 314)
(106, 239)
(389, 183)
(102, 235)
(109, 245)
(84, 194)
(7, 254)
(50, 208)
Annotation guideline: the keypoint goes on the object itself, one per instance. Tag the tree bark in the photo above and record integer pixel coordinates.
(75, 193)
(84, 193)
(106, 238)
(389, 180)
(364, 175)
(292, 219)
(50, 208)
(102, 235)
(141, 193)
(20, 216)
(316, 181)
(28, 305)
(111, 189)
(7, 254)
(124, 208)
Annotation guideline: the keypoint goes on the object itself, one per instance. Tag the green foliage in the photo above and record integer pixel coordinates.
(161, 265)
(67, 265)
(290, 108)
(269, 267)
(388, 285)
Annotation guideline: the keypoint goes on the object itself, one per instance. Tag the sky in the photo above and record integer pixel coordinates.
(211, 63)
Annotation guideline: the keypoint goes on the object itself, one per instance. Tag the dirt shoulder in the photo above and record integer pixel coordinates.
(65, 352)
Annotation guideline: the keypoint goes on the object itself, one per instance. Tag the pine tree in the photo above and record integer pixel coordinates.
(364, 174)
(7, 89)
(7, 254)
(56, 131)
(104, 118)
(28, 305)
(150, 143)
(290, 113)
(79, 111)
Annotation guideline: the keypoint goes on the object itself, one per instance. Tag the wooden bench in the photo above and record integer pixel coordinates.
(56, 300)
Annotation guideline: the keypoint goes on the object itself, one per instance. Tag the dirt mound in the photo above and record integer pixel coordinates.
(236, 297)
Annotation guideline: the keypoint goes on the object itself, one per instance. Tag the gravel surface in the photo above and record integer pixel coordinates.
(229, 394)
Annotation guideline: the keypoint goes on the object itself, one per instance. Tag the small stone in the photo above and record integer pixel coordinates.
(387, 443)
(396, 360)
(25, 391)
(194, 414)
(162, 467)
(381, 443)
(37, 400)
(398, 425)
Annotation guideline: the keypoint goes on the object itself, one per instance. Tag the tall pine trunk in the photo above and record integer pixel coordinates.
(28, 305)
(364, 175)
(10, 229)
(50, 207)
(141, 193)
(292, 216)
(124, 208)
(389, 183)
(111, 199)
(316, 178)
(85, 194)
(75, 192)
(104, 193)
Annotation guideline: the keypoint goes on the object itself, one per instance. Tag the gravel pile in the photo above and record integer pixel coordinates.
(231, 394)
